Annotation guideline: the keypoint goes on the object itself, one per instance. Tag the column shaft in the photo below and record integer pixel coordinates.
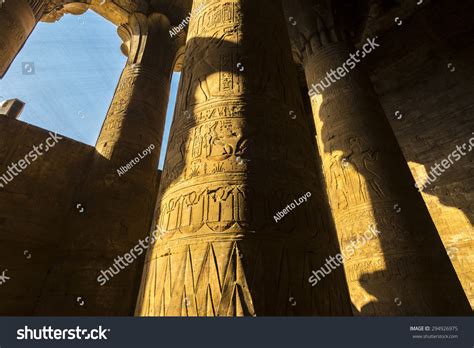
(405, 271)
(17, 18)
(236, 158)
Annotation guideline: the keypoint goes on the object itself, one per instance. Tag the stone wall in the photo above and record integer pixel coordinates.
(33, 208)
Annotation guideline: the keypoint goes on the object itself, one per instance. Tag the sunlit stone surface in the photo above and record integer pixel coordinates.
(262, 184)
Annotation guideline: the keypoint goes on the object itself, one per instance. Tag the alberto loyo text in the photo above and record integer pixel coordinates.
(123, 169)
(281, 214)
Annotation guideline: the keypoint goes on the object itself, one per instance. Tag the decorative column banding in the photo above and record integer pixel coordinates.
(117, 198)
(237, 157)
(405, 271)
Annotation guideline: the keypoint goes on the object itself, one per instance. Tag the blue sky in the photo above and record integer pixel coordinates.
(77, 63)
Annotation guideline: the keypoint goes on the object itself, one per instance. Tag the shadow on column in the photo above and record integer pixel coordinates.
(235, 114)
(417, 276)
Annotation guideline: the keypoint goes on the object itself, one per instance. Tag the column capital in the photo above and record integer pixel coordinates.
(143, 33)
(314, 25)
(54, 10)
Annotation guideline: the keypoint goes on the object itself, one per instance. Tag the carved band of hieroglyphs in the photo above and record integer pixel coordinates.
(216, 14)
(220, 207)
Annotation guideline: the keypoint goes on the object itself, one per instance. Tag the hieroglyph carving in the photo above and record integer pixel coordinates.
(235, 156)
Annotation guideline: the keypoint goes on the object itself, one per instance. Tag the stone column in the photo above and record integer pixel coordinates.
(113, 210)
(17, 18)
(137, 114)
(233, 240)
(405, 270)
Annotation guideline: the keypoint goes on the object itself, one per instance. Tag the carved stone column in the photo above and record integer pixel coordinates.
(405, 271)
(137, 114)
(237, 158)
(17, 18)
(113, 210)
